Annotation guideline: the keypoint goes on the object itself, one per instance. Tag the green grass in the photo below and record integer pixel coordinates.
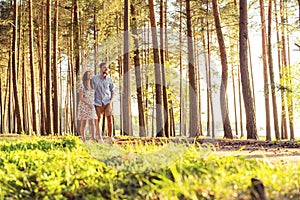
(66, 168)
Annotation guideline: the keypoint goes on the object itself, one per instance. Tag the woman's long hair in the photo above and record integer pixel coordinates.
(85, 80)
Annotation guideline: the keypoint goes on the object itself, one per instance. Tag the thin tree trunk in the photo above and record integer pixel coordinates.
(182, 110)
(17, 114)
(194, 110)
(209, 81)
(265, 69)
(56, 112)
(32, 73)
(290, 84)
(223, 88)
(160, 132)
(162, 62)
(137, 67)
(208, 110)
(126, 70)
(41, 71)
(234, 101)
(48, 70)
(10, 93)
(247, 93)
(251, 73)
(25, 102)
(198, 80)
(271, 69)
(283, 72)
(240, 103)
(76, 43)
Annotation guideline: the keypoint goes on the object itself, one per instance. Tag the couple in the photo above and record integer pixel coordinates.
(96, 95)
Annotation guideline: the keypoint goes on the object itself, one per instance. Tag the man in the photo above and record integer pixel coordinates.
(104, 93)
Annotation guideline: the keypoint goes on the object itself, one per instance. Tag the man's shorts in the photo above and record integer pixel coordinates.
(106, 109)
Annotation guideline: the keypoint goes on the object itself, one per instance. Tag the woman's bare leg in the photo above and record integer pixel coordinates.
(82, 127)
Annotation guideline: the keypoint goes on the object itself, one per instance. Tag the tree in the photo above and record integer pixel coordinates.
(247, 94)
(265, 68)
(48, 69)
(126, 71)
(17, 115)
(55, 95)
(194, 128)
(32, 73)
(158, 75)
(137, 67)
(223, 88)
(271, 72)
(162, 62)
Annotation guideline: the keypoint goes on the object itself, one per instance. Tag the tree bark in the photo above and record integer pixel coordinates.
(271, 71)
(17, 114)
(162, 62)
(160, 132)
(32, 73)
(223, 88)
(283, 73)
(182, 110)
(48, 70)
(138, 77)
(194, 110)
(56, 112)
(265, 69)
(247, 93)
(126, 71)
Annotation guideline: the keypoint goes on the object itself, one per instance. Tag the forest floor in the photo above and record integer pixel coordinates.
(284, 151)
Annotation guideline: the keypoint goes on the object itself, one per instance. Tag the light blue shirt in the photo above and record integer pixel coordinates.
(103, 90)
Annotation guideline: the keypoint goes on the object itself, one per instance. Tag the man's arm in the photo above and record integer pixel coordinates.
(111, 88)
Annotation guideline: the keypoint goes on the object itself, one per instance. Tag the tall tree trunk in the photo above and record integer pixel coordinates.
(162, 62)
(234, 101)
(223, 88)
(251, 73)
(41, 71)
(289, 83)
(198, 81)
(32, 73)
(160, 132)
(182, 110)
(247, 93)
(96, 38)
(56, 112)
(194, 128)
(25, 102)
(271, 67)
(209, 77)
(283, 72)
(76, 43)
(48, 70)
(137, 68)
(265, 68)
(10, 93)
(208, 110)
(126, 78)
(17, 114)
(240, 103)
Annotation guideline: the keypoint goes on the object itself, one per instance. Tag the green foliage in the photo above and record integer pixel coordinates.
(65, 168)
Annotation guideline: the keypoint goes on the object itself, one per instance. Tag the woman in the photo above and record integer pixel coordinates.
(86, 109)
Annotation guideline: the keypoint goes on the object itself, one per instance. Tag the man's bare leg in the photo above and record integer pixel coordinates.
(109, 125)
